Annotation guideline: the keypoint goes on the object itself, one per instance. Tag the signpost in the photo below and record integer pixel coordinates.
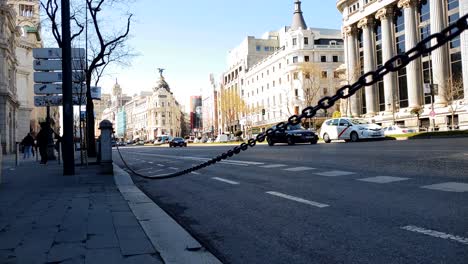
(51, 85)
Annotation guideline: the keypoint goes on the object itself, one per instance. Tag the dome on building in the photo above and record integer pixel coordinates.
(298, 19)
(161, 83)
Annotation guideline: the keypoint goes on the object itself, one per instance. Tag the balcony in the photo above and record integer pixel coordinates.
(329, 47)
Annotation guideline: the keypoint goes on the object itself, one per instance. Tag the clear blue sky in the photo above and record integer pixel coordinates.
(191, 39)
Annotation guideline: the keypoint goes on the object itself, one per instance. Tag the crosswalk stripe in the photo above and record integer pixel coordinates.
(334, 173)
(273, 166)
(224, 180)
(297, 199)
(299, 169)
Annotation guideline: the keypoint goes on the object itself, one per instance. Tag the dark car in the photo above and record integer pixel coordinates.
(292, 135)
(177, 142)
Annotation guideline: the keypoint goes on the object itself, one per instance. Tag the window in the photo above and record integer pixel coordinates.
(306, 41)
(273, 83)
(296, 92)
(335, 58)
(295, 59)
(279, 66)
(268, 72)
(307, 75)
(26, 10)
(343, 122)
(336, 75)
(306, 58)
(324, 74)
(279, 81)
(323, 58)
(325, 91)
(294, 41)
(295, 76)
(267, 48)
(259, 48)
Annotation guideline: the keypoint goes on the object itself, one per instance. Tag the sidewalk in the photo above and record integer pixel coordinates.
(46, 217)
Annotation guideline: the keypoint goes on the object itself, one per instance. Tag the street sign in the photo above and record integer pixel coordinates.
(56, 88)
(96, 92)
(56, 53)
(432, 114)
(427, 88)
(56, 100)
(51, 77)
(56, 65)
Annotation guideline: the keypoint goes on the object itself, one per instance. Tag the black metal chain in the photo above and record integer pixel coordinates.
(396, 63)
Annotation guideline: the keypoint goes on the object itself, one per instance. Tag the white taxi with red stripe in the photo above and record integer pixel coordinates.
(349, 129)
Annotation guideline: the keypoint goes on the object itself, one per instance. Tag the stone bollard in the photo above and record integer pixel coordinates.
(106, 147)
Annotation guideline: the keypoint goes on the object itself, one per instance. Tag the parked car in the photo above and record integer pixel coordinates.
(121, 143)
(177, 142)
(114, 143)
(222, 138)
(292, 135)
(139, 143)
(162, 140)
(397, 129)
(349, 129)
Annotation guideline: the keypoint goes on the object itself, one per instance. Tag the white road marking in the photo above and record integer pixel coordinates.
(334, 173)
(448, 187)
(273, 166)
(150, 162)
(297, 199)
(196, 173)
(299, 169)
(236, 164)
(438, 234)
(231, 162)
(383, 179)
(172, 168)
(224, 180)
(160, 165)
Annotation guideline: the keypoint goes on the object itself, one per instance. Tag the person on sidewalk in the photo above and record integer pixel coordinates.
(42, 142)
(28, 143)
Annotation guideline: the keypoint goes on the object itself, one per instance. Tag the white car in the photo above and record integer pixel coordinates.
(349, 129)
(396, 130)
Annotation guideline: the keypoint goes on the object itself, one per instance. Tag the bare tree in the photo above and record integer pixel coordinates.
(110, 48)
(311, 84)
(231, 106)
(453, 93)
(106, 47)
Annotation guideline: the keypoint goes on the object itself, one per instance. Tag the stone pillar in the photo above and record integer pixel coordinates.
(352, 66)
(106, 147)
(439, 56)
(367, 25)
(385, 15)
(413, 70)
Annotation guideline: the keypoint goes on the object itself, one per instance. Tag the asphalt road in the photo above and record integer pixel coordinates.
(368, 202)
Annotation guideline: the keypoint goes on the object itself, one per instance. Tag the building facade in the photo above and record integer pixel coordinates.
(145, 116)
(9, 103)
(279, 74)
(375, 31)
(196, 111)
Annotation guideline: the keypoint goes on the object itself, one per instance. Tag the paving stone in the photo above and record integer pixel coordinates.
(108, 255)
(77, 260)
(30, 255)
(147, 259)
(75, 233)
(125, 219)
(102, 241)
(133, 241)
(120, 207)
(10, 240)
(64, 251)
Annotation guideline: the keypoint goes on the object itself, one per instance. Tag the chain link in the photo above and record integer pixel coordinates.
(396, 63)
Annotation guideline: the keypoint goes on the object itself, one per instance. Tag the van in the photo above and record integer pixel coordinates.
(222, 138)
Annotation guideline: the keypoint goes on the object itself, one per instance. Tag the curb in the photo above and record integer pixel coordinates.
(174, 244)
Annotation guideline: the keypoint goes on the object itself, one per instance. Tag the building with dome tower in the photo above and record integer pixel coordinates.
(145, 116)
(280, 73)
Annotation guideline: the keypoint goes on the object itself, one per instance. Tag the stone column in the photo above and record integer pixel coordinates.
(439, 56)
(385, 15)
(413, 70)
(367, 25)
(352, 66)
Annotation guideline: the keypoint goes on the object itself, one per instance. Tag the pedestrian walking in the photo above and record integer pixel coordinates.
(28, 143)
(42, 142)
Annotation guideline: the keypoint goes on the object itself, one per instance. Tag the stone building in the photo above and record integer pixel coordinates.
(9, 104)
(375, 31)
(269, 73)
